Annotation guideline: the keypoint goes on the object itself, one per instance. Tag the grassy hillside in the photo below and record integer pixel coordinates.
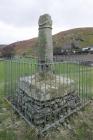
(81, 36)
(27, 46)
(84, 35)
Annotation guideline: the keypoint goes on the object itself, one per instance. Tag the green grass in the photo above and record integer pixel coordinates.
(1, 71)
(7, 135)
(82, 76)
(13, 70)
(1, 79)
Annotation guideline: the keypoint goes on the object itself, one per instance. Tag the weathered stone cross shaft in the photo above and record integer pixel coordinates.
(45, 40)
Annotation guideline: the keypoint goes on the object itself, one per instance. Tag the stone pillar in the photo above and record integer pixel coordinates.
(45, 39)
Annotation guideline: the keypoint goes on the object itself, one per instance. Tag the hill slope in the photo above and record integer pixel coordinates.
(82, 37)
(2, 45)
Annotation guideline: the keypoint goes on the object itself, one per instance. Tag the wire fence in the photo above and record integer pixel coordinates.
(45, 94)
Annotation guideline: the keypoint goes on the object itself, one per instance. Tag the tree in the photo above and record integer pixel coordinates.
(57, 50)
(8, 51)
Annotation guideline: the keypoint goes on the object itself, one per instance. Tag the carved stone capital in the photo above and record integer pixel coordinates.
(45, 21)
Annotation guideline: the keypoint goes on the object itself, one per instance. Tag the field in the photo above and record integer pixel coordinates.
(14, 128)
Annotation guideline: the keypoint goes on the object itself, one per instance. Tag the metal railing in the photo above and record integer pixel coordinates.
(46, 94)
